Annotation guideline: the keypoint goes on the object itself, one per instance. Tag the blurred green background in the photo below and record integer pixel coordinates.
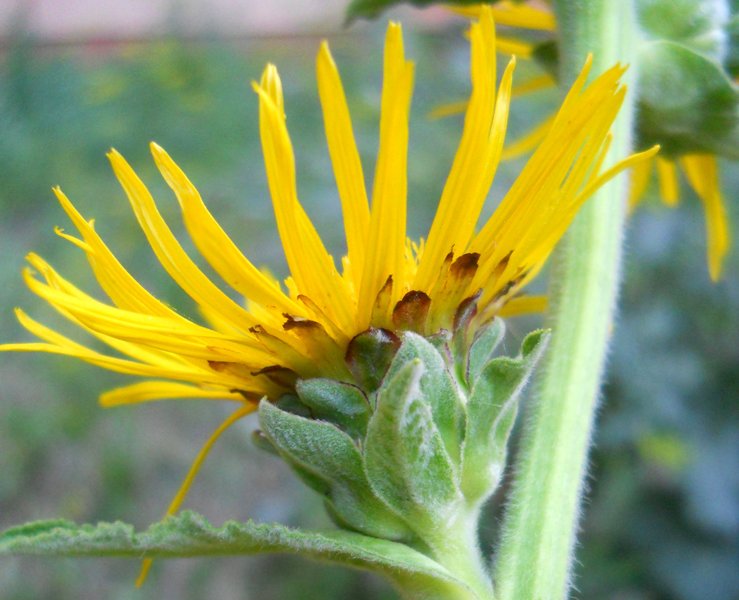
(662, 519)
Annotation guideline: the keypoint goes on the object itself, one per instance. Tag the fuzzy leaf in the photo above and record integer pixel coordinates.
(483, 345)
(686, 102)
(327, 460)
(405, 458)
(491, 413)
(340, 403)
(438, 387)
(697, 24)
(372, 8)
(189, 534)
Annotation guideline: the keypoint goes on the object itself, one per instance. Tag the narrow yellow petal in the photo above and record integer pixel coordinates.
(148, 391)
(524, 305)
(527, 142)
(534, 84)
(514, 47)
(448, 109)
(477, 157)
(669, 187)
(513, 14)
(703, 176)
(345, 159)
(386, 241)
(171, 255)
(192, 473)
(640, 175)
(120, 286)
(214, 244)
(310, 264)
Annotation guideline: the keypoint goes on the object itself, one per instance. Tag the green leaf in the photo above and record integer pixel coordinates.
(438, 388)
(697, 24)
(686, 103)
(189, 534)
(491, 413)
(483, 345)
(405, 458)
(328, 461)
(340, 403)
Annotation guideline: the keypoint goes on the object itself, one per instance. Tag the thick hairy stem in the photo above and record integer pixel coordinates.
(536, 552)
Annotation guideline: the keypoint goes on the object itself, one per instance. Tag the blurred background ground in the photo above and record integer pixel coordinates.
(662, 518)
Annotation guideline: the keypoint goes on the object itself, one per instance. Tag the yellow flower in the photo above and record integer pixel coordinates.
(385, 280)
(701, 171)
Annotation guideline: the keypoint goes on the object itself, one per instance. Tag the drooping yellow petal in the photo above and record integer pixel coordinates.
(702, 173)
(192, 473)
(120, 286)
(345, 159)
(310, 264)
(527, 142)
(524, 305)
(640, 175)
(514, 47)
(215, 245)
(512, 14)
(669, 188)
(448, 109)
(169, 252)
(148, 391)
(540, 82)
(386, 240)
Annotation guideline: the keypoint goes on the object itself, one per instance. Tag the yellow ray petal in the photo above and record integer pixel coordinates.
(528, 141)
(169, 252)
(524, 305)
(448, 109)
(534, 84)
(59, 344)
(640, 175)
(158, 332)
(148, 391)
(310, 264)
(120, 286)
(512, 14)
(386, 241)
(514, 47)
(702, 173)
(215, 245)
(192, 473)
(669, 189)
(477, 156)
(345, 159)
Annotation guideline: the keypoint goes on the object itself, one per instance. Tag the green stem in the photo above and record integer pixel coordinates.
(539, 530)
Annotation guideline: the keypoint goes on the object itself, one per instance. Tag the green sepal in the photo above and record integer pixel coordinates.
(189, 535)
(327, 460)
(485, 342)
(405, 458)
(369, 355)
(687, 104)
(438, 388)
(340, 403)
(491, 413)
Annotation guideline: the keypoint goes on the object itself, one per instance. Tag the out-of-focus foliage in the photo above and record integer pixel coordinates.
(662, 522)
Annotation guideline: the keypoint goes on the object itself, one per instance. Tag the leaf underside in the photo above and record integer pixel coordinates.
(189, 534)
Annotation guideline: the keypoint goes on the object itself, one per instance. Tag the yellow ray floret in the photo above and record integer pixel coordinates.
(702, 174)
